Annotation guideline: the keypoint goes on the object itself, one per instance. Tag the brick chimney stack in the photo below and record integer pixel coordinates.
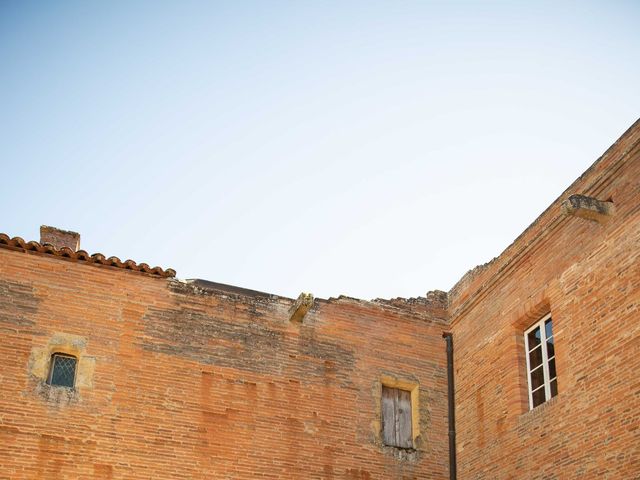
(59, 238)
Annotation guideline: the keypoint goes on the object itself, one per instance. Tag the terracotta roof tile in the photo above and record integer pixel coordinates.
(81, 256)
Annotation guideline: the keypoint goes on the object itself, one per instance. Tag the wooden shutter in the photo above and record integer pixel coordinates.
(396, 418)
(404, 437)
(388, 415)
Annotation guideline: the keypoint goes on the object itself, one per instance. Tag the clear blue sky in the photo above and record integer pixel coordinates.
(373, 149)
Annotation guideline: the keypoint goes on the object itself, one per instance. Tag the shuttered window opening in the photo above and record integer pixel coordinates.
(396, 418)
(63, 370)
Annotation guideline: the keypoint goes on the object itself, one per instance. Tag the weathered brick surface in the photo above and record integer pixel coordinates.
(202, 383)
(587, 275)
(197, 380)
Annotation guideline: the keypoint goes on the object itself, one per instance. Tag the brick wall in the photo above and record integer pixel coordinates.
(587, 275)
(199, 381)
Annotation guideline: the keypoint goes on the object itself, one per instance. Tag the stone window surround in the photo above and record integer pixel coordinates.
(39, 365)
(411, 386)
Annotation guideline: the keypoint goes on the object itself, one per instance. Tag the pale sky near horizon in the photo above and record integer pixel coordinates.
(371, 149)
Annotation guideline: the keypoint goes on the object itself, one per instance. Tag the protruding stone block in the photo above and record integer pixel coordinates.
(300, 308)
(589, 208)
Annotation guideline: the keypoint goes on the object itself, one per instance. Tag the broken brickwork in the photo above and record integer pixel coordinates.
(198, 380)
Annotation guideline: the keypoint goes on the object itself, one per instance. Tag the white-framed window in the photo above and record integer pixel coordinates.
(541, 361)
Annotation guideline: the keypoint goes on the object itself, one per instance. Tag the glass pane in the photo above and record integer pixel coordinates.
(550, 348)
(552, 368)
(535, 358)
(63, 371)
(534, 338)
(554, 388)
(548, 328)
(538, 397)
(537, 378)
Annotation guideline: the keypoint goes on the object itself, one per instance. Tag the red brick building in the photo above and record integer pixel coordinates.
(115, 370)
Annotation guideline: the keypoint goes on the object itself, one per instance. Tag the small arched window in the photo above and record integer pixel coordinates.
(63, 370)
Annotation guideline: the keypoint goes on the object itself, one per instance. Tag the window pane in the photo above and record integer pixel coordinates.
(550, 348)
(535, 358)
(63, 371)
(554, 388)
(537, 378)
(538, 397)
(548, 328)
(534, 338)
(552, 368)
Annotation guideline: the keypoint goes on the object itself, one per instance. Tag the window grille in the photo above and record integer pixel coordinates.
(63, 370)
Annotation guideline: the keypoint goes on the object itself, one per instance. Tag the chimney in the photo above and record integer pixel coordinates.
(59, 238)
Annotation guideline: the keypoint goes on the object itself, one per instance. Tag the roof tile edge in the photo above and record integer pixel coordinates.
(81, 256)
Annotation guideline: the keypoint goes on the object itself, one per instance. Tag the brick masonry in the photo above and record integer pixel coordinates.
(199, 380)
(587, 274)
